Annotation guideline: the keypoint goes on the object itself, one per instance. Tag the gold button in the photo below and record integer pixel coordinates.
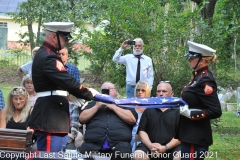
(202, 114)
(60, 103)
(197, 115)
(192, 116)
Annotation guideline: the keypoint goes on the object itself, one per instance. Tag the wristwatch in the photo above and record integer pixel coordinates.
(166, 148)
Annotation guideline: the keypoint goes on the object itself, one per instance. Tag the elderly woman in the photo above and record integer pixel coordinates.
(27, 83)
(16, 111)
(142, 90)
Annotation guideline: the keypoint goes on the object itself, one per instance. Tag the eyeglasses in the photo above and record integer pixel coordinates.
(61, 54)
(159, 91)
(138, 90)
(164, 81)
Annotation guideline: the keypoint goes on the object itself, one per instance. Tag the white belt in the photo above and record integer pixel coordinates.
(55, 93)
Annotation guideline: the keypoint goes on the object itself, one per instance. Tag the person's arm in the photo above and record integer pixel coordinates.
(173, 143)
(124, 114)
(54, 69)
(151, 75)
(2, 102)
(145, 139)
(3, 118)
(20, 72)
(118, 58)
(87, 114)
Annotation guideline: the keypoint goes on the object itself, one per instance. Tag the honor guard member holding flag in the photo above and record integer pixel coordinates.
(194, 129)
(50, 116)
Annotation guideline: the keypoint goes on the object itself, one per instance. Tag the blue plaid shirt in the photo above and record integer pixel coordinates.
(73, 71)
(2, 104)
(74, 114)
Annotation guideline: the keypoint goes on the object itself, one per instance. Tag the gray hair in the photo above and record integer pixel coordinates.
(139, 40)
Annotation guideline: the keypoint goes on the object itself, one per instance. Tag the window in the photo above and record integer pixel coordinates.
(3, 24)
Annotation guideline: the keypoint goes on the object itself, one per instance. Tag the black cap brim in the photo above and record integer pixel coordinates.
(192, 54)
(65, 34)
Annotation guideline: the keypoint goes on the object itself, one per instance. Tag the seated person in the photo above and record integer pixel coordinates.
(108, 127)
(17, 109)
(156, 130)
(142, 90)
(27, 83)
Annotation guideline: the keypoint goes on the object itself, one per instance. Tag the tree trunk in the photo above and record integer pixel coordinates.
(38, 32)
(31, 35)
(208, 10)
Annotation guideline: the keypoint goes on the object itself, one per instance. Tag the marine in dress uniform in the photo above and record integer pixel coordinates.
(194, 130)
(50, 116)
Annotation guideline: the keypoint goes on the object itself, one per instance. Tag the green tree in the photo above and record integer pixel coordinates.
(165, 27)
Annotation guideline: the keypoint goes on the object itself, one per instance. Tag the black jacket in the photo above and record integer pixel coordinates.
(200, 93)
(51, 113)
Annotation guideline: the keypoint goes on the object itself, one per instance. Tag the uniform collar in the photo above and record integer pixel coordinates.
(200, 70)
(51, 47)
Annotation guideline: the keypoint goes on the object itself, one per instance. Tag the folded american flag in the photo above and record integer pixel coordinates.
(151, 102)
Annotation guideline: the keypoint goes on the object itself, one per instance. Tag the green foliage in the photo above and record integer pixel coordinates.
(5, 63)
(165, 27)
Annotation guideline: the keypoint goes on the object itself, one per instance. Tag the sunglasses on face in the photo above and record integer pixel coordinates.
(18, 91)
(164, 81)
(138, 90)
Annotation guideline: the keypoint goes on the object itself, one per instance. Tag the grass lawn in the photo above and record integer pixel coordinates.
(6, 88)
(226, 138)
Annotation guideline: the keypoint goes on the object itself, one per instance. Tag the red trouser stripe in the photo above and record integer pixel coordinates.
(48, 143)
(191, 152)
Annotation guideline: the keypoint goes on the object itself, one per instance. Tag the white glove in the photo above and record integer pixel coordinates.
(76, 101)
(195, 113)
(94, 92)
(185, 111)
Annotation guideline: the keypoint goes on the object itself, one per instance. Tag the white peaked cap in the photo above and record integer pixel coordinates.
(199, 49)
(59, 26)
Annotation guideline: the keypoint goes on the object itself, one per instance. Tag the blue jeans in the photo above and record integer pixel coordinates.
(130, 90)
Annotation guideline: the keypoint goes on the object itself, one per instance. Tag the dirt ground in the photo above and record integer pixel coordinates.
(8, 75)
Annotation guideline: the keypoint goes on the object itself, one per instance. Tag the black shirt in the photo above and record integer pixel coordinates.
(160, 126)
(11, 124)
(106, 124)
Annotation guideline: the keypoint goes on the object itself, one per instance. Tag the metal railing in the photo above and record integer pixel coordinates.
(20, 58)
